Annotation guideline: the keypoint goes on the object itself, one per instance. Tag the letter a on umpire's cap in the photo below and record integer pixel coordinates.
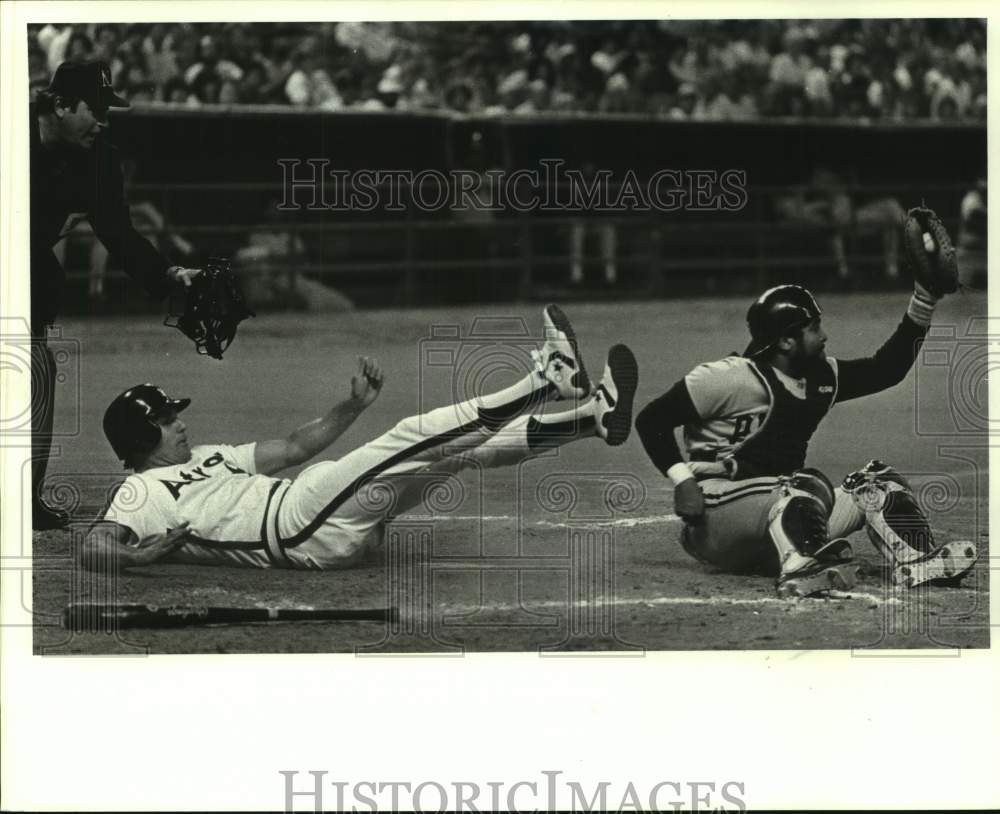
(776, 313)
(90, 81)
(130, 420)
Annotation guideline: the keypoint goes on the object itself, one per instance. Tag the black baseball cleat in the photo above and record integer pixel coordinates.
(46, 518)
(614, 395)
(559, 361)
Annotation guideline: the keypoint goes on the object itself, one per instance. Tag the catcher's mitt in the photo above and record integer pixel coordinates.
(210, 309)
(929, 252)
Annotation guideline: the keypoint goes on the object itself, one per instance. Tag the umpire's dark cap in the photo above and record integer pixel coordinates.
(90, 81)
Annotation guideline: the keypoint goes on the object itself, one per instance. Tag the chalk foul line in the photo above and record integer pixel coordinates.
(618, 522)
(810, 603)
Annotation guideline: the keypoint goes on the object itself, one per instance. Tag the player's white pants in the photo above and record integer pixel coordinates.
(733, 535)
(332, 510)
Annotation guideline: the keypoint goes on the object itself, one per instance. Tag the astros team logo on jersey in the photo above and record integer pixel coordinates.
(198, 473)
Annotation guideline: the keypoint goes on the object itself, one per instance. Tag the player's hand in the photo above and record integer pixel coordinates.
(689, 501)
(158, 546)
(367, 382)
(182, 276)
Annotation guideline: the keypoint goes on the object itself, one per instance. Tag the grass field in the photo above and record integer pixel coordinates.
(577, 550)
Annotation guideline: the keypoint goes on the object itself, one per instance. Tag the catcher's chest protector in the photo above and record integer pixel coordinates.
(779, 446)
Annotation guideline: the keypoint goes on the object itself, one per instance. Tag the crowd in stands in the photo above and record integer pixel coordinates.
(878, 69)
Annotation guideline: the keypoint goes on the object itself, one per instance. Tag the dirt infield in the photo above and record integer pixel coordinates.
(575, 550)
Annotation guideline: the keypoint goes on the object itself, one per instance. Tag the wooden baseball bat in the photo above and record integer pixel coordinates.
(82, 616)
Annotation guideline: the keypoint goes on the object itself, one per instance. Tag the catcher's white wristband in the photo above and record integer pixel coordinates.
(921, 308)
(679, 473)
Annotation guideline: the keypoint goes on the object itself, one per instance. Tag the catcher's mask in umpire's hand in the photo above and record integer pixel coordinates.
(776, 313)
(130, 422)
(210, 309)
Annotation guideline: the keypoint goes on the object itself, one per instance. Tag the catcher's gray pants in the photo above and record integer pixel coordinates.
(733, 535)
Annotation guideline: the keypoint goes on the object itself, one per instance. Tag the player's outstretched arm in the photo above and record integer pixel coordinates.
(312, 438)
(655, 426)
(112, 545)
(112, 223)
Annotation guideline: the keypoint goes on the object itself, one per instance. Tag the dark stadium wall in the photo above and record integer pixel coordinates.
(245, 146)
(435, 256)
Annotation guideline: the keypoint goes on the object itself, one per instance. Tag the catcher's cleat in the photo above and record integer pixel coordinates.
(814, 578)
(559, 361)
(945, 566)
(614, 395)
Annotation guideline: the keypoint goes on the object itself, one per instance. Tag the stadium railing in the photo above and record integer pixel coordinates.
(525, 256)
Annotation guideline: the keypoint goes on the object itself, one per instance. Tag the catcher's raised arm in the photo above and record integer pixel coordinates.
(930, 259)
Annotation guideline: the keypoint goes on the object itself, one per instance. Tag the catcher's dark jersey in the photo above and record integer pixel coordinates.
(744, 419)
(752, 420)
(68, 181)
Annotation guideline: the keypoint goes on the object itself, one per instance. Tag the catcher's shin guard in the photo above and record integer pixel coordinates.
(810, 561)
(900, 531)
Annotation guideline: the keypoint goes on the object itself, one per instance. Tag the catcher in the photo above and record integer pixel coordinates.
(76, 174)
(748, 501)
(219, 504)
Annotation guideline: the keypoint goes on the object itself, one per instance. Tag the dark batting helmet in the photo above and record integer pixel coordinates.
(130, 422)
(776, 313)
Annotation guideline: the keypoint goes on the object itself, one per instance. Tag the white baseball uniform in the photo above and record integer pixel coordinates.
(324, 517)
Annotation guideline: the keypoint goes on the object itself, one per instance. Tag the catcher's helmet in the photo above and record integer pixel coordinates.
(130, 420)
(776, 313)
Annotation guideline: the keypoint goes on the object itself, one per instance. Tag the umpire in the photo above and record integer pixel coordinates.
(76, 174)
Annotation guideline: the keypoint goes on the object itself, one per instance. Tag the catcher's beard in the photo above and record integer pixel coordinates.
(801, 361)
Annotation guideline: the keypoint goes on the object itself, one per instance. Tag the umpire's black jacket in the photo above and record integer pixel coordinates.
(67, 180)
